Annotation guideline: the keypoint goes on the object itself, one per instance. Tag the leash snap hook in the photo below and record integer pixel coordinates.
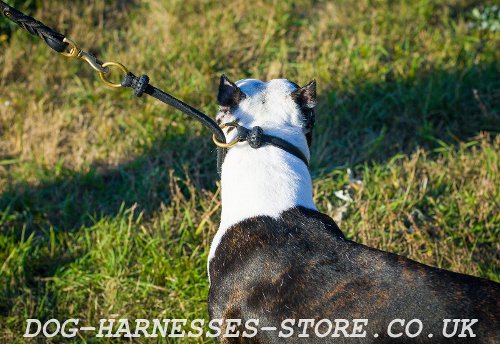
(102, 68)
(93, 62)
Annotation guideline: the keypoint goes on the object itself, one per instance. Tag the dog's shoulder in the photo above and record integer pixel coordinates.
(296, 229)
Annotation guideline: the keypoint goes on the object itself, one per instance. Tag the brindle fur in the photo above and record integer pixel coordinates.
(301, 266)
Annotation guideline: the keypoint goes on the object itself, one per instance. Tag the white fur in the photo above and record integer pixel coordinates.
(267, 180)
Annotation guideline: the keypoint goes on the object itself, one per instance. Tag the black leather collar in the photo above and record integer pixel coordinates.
(256, 139)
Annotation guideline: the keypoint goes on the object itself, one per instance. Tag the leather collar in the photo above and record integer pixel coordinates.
(256, 139)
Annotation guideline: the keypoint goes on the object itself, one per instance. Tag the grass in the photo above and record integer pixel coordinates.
(108, 203)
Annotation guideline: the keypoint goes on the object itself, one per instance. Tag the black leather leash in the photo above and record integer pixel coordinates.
(54, 39)
(141, 85)
(58, 42)
(255, 137)
(68, 48)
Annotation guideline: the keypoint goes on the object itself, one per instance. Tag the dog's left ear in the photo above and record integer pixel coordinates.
(229, 95)
(305, 96)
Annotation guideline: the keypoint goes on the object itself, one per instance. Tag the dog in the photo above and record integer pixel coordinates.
(276, 259)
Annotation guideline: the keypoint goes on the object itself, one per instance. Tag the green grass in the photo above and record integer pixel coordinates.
(108, 203)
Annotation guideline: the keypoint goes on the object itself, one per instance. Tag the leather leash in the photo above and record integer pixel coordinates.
(65, 46)
(69, 48)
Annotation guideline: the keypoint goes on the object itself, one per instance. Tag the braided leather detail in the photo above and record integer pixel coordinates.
(138, 84)
(52, 38)
(254, 138)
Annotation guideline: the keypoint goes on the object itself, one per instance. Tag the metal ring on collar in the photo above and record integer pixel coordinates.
(229, 144)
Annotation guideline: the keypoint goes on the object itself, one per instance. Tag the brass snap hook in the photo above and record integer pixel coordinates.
(93, 62)
(102, 68)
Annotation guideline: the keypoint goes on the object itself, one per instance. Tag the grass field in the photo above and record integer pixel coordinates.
(108, 203)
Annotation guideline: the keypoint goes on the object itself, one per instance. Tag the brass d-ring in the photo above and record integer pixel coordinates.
(106, 80)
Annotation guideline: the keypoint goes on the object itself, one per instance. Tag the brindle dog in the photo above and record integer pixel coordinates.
(301, 267)
(298, 264)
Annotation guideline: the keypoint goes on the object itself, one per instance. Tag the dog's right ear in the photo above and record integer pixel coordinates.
(229, 94)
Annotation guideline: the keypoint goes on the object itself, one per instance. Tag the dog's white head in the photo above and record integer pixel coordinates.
(278, 106)
(264, 181)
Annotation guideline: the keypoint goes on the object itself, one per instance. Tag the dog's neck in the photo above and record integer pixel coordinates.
(265, 181)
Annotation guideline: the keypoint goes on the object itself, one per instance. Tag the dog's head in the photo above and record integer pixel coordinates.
(278, 104)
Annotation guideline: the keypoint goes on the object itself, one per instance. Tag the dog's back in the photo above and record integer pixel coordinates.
(275, 257)
(301, 267)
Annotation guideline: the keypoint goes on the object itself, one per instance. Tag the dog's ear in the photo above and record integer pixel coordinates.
(305, 96)
(229, 94)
